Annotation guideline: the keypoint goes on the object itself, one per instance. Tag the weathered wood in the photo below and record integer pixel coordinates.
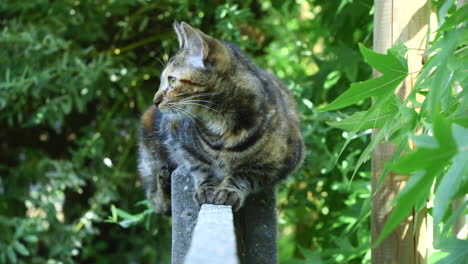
(406, 21)
(213, 239)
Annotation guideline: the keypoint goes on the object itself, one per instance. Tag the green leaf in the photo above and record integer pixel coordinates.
(460, 135)
(311, 256)
(426, 163)
(436, 256)
(128, 219)
(416, 191)
(450, 221)
(425, 141)
(363, 121)
(392, 62)
(458, 251)
(443, 10)
(129, 222)
(421, 159)
(20, 248)
(444, 135)
(20, 230)
(449, 186)
(453, 179)
(393, 158)
(460, 16)
(31, 238)
(368, 150)
(332, 78)
(437, 75)
(11, 255)
(114, 217)
(460, 116)
(394, 69)
(424, 157)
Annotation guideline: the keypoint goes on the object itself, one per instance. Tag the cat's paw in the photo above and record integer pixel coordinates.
(228, 196)
(205, 195)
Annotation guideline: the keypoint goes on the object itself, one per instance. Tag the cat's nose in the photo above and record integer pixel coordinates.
(157, 100)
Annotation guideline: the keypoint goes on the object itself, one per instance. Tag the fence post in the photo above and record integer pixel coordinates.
(184, 214)
(213, 239)
(406, 21)
(255, 223)
(256, 229)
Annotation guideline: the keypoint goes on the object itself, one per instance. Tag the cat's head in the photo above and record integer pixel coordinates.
(192, 76)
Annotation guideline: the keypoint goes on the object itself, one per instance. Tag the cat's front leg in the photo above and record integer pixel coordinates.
(205, 184)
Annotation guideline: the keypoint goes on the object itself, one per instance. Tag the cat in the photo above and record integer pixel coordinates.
(232, 125)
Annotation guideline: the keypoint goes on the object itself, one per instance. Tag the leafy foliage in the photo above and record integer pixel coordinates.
(441, 153)
(76, 74)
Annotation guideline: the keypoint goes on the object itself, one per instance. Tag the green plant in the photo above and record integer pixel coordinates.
(75, 76)
(441, 154)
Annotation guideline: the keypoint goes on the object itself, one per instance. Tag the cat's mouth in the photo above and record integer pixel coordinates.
(177, 109)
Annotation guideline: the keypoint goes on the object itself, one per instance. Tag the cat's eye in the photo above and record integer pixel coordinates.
(172, 80)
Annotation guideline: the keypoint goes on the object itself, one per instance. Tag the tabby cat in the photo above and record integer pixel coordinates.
(233, 126)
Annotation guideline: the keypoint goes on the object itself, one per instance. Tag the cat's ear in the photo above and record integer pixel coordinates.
(196, 44)
(181, 36)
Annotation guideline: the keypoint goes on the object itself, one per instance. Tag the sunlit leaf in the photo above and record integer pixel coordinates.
(423, 157)
(460, 212)
(20, 248)
(415, 192)
(458, 251)
(363, 120)
(392, 68)
(425, 164)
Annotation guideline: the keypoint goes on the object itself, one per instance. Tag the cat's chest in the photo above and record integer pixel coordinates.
(187, 145)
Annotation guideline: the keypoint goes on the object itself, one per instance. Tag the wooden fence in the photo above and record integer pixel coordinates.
(213, 234)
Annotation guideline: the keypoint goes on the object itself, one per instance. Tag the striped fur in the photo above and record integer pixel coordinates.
(234, 126)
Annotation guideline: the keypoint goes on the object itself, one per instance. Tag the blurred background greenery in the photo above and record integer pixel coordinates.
(75, 75)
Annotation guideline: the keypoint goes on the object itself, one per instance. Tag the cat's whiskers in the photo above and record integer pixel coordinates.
(202, 105)
(160, 61)
(203, 101)
(179, 110)
(202, 94)
(190, 115)
(180, 114)
(163, 62)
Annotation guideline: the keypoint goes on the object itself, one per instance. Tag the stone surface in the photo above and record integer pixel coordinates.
(213, 239)
(255, 227)
(184, 214)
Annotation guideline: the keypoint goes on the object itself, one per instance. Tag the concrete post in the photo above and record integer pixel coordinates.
(255, 224)
(213, 239)
(256, 229)
(184, 214)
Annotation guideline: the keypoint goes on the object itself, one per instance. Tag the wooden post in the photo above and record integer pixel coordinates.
(394, 21)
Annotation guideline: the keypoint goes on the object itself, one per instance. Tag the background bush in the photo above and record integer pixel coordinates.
(76, 74)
